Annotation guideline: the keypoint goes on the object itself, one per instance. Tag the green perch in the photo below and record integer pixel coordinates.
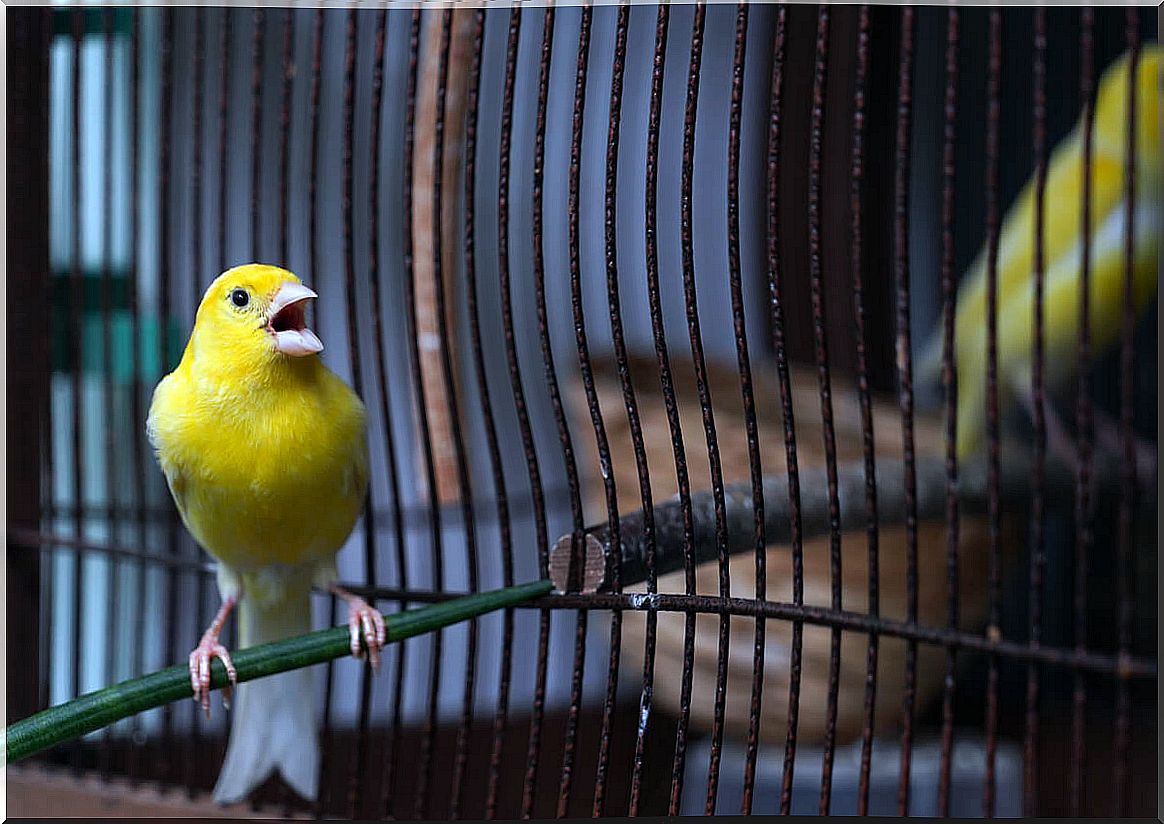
(95, 710)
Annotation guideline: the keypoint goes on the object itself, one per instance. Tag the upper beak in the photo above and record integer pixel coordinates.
(288, 294)
(287, 321)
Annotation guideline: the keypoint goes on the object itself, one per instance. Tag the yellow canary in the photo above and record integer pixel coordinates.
(1062, 250)
(264, 450)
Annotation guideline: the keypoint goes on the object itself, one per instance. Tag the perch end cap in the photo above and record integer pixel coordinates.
(593, 568)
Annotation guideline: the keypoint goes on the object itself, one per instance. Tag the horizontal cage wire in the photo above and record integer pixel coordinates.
(671, 305)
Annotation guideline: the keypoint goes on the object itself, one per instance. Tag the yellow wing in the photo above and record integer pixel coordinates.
(1062, 245)
(162, 407)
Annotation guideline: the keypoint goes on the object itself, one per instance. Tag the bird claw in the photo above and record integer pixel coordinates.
(208, 649)
(367, 621)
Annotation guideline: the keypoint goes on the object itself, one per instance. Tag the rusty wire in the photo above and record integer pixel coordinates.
(196, 261)
(950, 384)
(857, 173)
(993, 115)
(1124, 593)
(743, 360)
(355, 784)
(824, 382)
(166, 254)
(1038, 502)
(136, 406)
(617, 339)
(775, 293)
(1083, 523)
(902, 170)
(569, 744)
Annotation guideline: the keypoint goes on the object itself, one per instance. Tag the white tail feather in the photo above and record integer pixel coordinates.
(273, 719)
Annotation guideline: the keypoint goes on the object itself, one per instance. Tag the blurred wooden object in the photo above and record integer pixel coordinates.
(430, 326)
(36, 791)
(932, 582)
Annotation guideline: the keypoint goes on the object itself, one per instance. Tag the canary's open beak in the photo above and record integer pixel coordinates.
(288, 321)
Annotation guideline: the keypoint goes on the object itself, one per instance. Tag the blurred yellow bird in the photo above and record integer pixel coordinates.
(264, 450)
(1063, 249)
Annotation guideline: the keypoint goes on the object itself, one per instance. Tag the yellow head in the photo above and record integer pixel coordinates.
(253, 316)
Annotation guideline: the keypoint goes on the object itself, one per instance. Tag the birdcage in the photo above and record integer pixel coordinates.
(636, 298)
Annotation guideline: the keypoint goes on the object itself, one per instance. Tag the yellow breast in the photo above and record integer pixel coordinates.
(262, 475)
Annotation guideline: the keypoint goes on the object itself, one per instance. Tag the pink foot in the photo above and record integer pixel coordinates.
(366, 620)
(208, 649)
(200, 658)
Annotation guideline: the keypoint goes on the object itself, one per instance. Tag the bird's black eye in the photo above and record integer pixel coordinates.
(240, 298)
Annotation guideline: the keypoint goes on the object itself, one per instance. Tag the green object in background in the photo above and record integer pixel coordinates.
(120, 331)
(95, 710)
(93, 23)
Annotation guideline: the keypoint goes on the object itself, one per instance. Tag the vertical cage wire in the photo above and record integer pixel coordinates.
(857, 174)
(1038, 503)
(1084, 535)
(658, 332)
(76, 300)
(137, 407)
(775, 282)
(994, 80)
(427, 742)
(565, 784)
(1126, 422)
(495, 460)
(950, 384)
(391, 751)
(354, 779)
(110, 515)
(905, 384)
(743, 359)
(821, 348)
(533, 756)
(610, 193)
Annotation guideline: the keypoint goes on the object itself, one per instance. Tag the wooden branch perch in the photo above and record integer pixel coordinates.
(1015, 488)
